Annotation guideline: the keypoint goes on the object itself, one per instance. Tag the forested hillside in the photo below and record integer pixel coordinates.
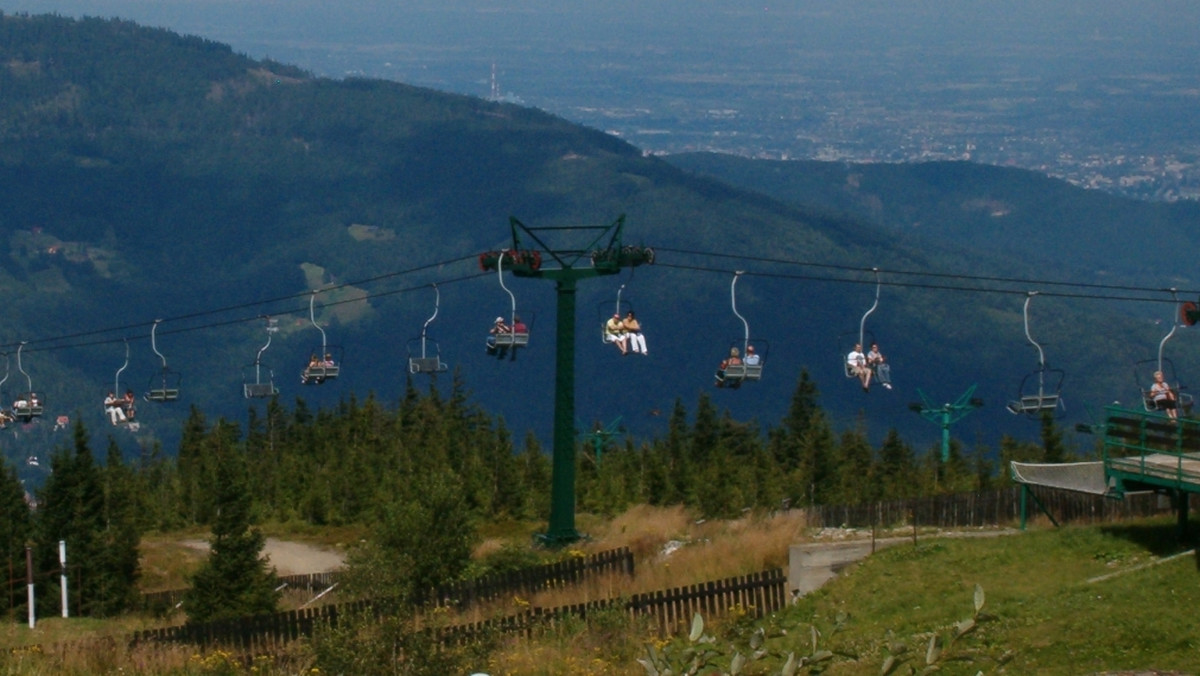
(1043, 222)
(149, 176)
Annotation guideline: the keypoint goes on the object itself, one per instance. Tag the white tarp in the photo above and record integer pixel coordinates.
(1081, 477)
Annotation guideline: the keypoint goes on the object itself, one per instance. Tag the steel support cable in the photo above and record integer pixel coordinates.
(930, 286)
(943, 275)
(239, 320)
(258, 303)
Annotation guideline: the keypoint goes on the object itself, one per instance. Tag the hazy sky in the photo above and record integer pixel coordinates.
(668, 62)
(1165, 28)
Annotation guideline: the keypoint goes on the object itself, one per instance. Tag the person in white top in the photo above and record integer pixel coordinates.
(856, 365)
(112, 406)
(752, 357)
(1163, 396)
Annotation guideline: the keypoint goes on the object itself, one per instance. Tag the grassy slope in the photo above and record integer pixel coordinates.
(1043, 606)
(1042, 601)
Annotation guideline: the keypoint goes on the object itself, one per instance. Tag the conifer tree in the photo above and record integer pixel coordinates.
(99, 530)
(235, 580)
(536, 476)
(854, 469)
(15, 531)
(813, 476)
(897, 476)
(1052, 441)
(116, 567)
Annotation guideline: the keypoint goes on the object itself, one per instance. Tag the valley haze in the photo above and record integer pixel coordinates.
(1102, 93)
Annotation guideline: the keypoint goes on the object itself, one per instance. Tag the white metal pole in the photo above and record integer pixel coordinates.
(62, 563)
(29, 584)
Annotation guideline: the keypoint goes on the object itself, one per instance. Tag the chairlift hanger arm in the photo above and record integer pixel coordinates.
(862, 324)
(733, 303)
(1028, 336)
(1174, 325)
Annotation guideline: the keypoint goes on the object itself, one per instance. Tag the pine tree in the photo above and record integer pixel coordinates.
(854, 469)
(99, 529)
(15, 530)
(1052, 441)
(235, 580)
(897, 476)
(116, 570)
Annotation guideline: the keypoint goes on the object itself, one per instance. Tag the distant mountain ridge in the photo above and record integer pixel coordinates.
(1004, 211)
(145, 175)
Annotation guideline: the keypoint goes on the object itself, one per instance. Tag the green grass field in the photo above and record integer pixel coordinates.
(1057, 601)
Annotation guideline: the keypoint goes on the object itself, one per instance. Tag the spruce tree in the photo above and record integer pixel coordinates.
(98, 526)
(235, 581)
(15, 531)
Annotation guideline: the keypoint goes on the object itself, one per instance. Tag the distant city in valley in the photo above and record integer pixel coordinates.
(1102, 94)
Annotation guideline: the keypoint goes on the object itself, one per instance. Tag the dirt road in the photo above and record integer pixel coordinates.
(291, 558)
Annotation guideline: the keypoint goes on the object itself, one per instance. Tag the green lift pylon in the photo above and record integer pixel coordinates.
(947, 414)
(604, 254)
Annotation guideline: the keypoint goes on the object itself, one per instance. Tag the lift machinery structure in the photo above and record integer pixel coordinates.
(602, 253)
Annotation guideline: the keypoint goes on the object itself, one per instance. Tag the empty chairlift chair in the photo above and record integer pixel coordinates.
(423, 353)
(164, 386)
(258, 381)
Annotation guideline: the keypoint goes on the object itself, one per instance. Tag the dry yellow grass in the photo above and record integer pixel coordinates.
(671, 549)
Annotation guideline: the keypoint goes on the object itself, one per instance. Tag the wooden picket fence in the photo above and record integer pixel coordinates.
(464, 594)
(671, 610)
(987, 508)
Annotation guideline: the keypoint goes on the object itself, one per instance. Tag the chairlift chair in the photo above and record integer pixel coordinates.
(1143, 372)
(512, 339)
(258, 380)
(863, 337)
(1144, 369)
(423, 353)
(1041, 390)
(127, 408)
(325, 362)
(164, 386)
(607, 308)
(737, 373)
(29, 404)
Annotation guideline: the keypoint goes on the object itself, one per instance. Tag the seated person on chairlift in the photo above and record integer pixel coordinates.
(735, 359)
(308, 374)
(112, 406)
(498, 328)
(519, 326)
(127, 405)
(633, 332)
(875, 361)
(752, 357)
(1163, 396)
(720, 375)
(328, 363)
(856, 365)
(614, 332)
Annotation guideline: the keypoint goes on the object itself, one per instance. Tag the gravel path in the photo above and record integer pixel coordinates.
(291, 558)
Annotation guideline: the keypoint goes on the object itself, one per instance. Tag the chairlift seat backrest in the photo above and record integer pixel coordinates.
(260, 390)
(163, 394)
(1033, 404)
(26, 409)
(512, 339)
(321, 373)
(735, 372)
(753, 371)
(425, 365)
